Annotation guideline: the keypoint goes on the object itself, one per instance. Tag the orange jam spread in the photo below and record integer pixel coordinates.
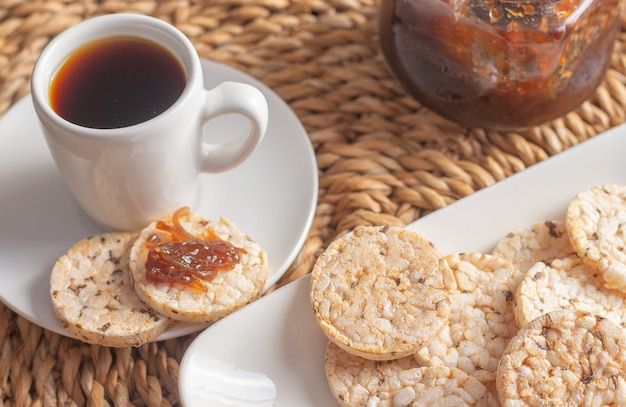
(186, 259)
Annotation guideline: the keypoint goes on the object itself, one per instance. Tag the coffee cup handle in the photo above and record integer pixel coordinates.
(239, 98)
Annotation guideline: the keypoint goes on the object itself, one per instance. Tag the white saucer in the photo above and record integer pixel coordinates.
(271, 353)
(271, 197)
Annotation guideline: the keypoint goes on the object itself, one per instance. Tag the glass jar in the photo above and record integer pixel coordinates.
(499, 64)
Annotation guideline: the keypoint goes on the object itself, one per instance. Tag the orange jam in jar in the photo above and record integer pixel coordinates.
(499, 64)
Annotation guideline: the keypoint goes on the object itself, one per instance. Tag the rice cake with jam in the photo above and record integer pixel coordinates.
(202, 300)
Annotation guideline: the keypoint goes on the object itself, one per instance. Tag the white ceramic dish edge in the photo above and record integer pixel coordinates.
(272, 352)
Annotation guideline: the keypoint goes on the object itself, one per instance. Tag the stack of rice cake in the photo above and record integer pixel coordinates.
(537, 322)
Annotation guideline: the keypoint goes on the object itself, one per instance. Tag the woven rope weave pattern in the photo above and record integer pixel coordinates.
(383, 159)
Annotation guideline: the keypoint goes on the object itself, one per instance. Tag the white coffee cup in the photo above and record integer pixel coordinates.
(126, 177)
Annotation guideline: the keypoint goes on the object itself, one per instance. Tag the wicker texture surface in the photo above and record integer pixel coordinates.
(383, 159)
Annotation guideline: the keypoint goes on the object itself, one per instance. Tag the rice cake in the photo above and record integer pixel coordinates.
(542, 241)
(595, 221)
(565, 357)
(567, 283)
(356, 382)
(381, 292)
(226, 292)
(481, 319)
(93, 297)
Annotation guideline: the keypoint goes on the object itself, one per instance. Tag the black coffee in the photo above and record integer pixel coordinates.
(116, 82)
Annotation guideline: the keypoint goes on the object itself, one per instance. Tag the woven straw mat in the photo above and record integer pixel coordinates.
(383, 159)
